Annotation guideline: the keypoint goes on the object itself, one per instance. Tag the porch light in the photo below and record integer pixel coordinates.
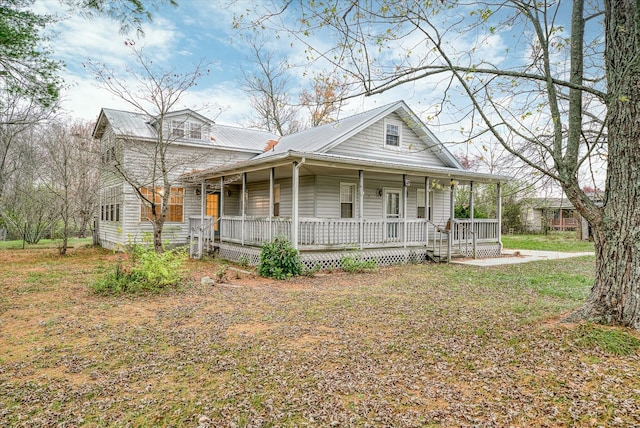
(228, 193)
(380, 192)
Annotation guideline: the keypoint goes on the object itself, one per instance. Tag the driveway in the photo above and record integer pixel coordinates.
(511, 257)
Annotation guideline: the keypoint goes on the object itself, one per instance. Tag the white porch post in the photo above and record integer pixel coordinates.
(294, 215)
(203, 207)
(243, 196)
(499, 214)
(452, 218)
(361, 207)
(221, 213)
(472, 218)
(404, 210)
(272, 173)
(427, 186)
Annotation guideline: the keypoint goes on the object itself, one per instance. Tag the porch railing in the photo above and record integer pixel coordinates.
(319, 233)
(199, 228)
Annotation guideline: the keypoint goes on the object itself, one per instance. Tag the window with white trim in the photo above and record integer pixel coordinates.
(177, 128)
(347, 199)
(174, 208)
(110, 203)
(276, 200)
(392, 133)
(195, 130)
(420, 203)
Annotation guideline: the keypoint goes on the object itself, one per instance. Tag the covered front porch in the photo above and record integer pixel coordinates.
(328, 206)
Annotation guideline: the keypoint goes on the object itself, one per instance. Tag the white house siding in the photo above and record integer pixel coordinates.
(307, 196)
(327, 198)
(369, 144)
(186, 159)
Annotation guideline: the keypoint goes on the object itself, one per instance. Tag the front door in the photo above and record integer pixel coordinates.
(392, 213)
(213, 210)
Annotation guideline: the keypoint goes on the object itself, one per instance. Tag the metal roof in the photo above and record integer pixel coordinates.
(137, 125)
(323, 138)
(259, 163)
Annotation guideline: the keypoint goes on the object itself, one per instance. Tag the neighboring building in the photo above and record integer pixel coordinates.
(540, 214)
(544, 214)
(378, 182)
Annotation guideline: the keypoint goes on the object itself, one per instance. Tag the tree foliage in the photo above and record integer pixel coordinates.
(26, 66)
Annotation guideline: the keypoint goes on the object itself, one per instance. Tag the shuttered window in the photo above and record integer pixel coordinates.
(174, 208)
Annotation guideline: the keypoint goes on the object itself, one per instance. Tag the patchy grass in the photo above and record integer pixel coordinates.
(553, 241)
(410, 346)
(45, 243)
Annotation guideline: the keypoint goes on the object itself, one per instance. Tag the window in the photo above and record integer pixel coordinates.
(276, 200)
(347, 192)
(177, 128)
(392, 133)
(109, 155)
(195, 130)
(110, 203)
(174, 207)
(421, 204)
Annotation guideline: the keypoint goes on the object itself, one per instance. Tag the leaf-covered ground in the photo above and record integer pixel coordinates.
(410, 346)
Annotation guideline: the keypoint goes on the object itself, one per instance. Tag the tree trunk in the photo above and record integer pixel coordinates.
(157, 236)
(615, 296)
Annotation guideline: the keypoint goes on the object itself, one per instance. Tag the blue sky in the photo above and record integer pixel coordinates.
(203, 30)
(180, 37)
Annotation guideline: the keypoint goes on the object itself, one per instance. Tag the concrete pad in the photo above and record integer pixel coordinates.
(511, 257)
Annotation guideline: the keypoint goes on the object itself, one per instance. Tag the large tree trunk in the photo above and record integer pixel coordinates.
(615, 296)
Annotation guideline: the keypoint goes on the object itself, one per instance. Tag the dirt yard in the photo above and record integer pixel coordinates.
(409, 346)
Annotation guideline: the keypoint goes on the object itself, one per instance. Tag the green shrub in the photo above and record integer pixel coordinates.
(356, 264)
(143, 271)
(279, 260)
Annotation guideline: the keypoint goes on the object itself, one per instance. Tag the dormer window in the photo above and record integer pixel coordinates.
(177, 128)
(392, 133)
(195, 130)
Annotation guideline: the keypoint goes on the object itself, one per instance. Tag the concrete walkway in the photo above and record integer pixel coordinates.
(512, 257)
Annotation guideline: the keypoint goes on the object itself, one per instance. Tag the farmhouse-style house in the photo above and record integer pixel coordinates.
(379, 183)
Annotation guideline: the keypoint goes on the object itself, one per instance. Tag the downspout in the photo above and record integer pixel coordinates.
(296, 180)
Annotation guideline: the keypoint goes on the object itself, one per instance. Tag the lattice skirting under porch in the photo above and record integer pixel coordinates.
(329, 259)
(483, 251)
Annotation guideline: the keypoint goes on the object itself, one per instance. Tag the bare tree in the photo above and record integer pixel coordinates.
(269, 86)
(69, 172)
(86, 156)
(155, 94)
(324, 100)
(28, 207)
(559, 93)
(18, 116)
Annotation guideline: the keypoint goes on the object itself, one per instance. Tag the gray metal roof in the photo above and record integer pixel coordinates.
(136, 125)
(323, 138)
(125, 123)
(314, 140)
(260, 163)
(240, 138)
